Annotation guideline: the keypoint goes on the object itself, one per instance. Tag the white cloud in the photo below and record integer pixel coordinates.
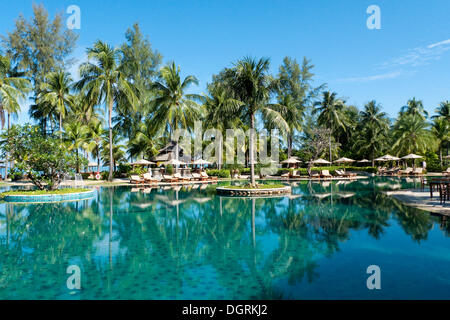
(389, 75)
(438, 44)
(420, 56)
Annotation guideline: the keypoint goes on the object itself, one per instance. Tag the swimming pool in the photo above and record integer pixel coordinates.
(192, 244)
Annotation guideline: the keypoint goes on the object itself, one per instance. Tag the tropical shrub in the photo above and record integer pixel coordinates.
(222, 173)
(15, 175)
(138, 171)
(169, 169)
(44, 159)
(433, 163)
(124, 168)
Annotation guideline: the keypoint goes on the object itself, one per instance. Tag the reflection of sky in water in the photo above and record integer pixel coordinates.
(315, 244)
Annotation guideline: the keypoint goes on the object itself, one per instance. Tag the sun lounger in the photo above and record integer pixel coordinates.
(325, 174)
(295, 174)
(134, 179)
(406, 171)
(198, 177)
(418, 171)
(149, 179)
(169, 178)
(286, 175)
(180, 177)
(314, 174)
(446, 172)
(344, 174)
(203, 174)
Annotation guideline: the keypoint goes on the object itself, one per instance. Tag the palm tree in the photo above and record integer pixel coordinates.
(375, 127)
(56, 92)
(75, 134)
(172, 107)
(331, 114)
(94, 139)
(441, 131)
(144, 142)
(221, 113)
(411, 134)
(103, 82)
(12, 90)
(249, 82)
(293, 112)
(414, 107)
(443, 111)
(117, 149)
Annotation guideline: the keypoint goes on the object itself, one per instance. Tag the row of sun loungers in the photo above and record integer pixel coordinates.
(322, 174)
(147, 178)
(399, 172)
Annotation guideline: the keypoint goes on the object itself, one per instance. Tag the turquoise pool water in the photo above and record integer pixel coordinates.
(192, 244)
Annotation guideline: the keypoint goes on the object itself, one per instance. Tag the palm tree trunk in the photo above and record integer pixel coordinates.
(219, 161)
(289, 145)
(252, 165)
(330, 146)
(111, 161)
(7, 155)
(78, 163)
(98, 158)
(440, 154)
(60, 126)
(373, 158)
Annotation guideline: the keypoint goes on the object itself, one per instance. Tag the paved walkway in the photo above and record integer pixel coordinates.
(421, 200)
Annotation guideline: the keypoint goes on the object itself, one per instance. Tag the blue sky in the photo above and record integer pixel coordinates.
(409, 56)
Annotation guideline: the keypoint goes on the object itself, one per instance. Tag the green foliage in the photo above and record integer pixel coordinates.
(138, 170)
(222, 173)
(169, 169)
(104, 175)
(85, 175)
(15, 175)
(332, 169)
(258, 186)
(41, 192)
(45, 159)
(40, 45)
(124, 168)
(433, 163)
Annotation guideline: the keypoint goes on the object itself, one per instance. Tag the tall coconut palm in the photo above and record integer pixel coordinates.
(103, 82)
(414, 107)
(117, 148)
(172, 107)
(94, 139)
(56, 92)
(250, 83)
(375, 127)
(443, 111)
(144, 143)
(411, 135)
(331, 114)
(221, 113)
(293, 112)
(13, 88)
(75, 134)
(441, 131)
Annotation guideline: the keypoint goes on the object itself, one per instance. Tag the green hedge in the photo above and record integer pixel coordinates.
(332, 169)
(222, 173)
